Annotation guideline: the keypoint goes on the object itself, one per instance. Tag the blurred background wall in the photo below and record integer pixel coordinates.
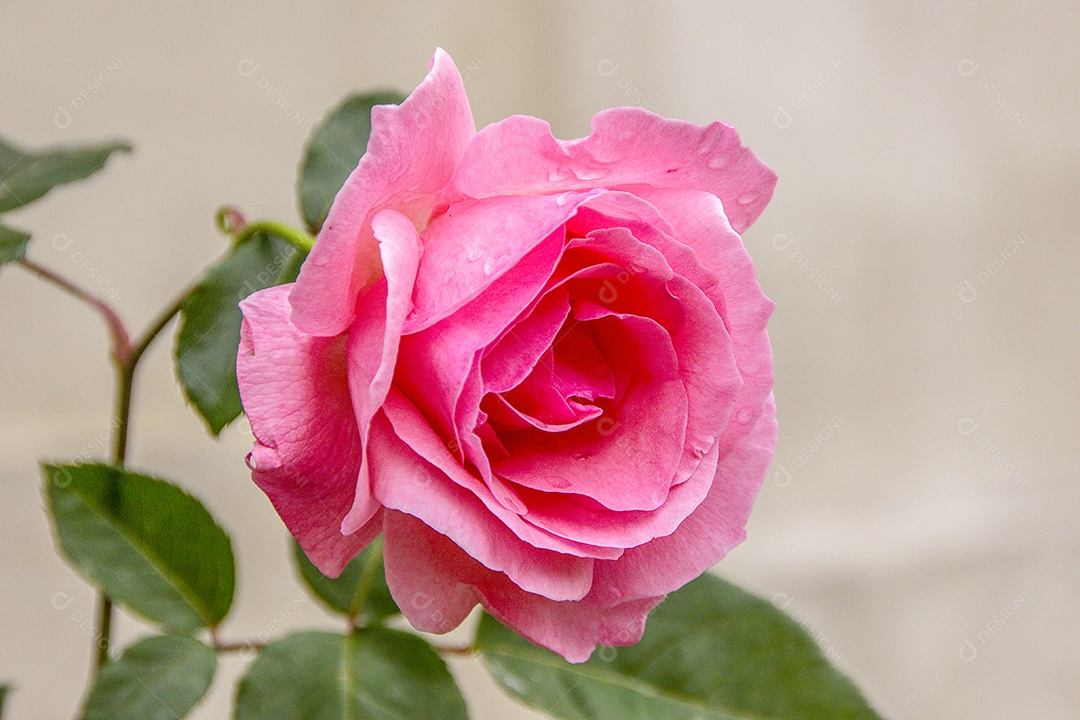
(921, 247)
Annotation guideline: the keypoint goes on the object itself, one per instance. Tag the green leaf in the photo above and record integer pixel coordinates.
(144, 542)
(373, 674)
(710, 652)
(4, 689)
(334, 150)
(25, 175)
(210, 324)
(12, 244)
(158, 678)
(360, 591)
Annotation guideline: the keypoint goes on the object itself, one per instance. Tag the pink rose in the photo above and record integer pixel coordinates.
(539, 367)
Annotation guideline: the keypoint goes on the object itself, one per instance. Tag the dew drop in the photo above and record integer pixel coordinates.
(558, 174)
(747, 198)
(489, 267)
(636, 269)
(717, 162)
(591, 173)
(559, 483)
(563, 199)
(320, 260)
(474, 254)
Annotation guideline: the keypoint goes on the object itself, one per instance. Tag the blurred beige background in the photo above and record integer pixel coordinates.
(921, 514)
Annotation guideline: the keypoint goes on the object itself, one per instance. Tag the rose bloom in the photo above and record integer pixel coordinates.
(538, 367)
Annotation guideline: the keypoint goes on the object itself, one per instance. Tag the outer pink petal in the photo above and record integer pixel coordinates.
(435, 584)
(705, 537)
(405, 481)
(628, 147)
(307, 447)
(373, 341)
(699, 221)
(410, 157)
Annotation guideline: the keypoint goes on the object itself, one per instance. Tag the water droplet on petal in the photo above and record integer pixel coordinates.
(591, 173)
(474, 254)
(563, 199)
(320, 260)
(635, 269)
(747, 198)
(560, 483)
(717, 162)
(489, 267)
(557, 174)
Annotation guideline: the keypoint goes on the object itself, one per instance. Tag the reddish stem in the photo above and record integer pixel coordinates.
(118, 334)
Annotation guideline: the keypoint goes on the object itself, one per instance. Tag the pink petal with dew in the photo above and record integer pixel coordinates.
(473, 244)
(628, 147)
(699, 222)
(705, 537)
(411, 154)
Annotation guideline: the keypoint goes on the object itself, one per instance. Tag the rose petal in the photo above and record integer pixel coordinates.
(373, 341)
(472, 244)
(439, 367)
(577, 518)
(404, 481)
(510, 360)
(410, 156)
(416, 432)
(307, 450)
(628, 147)
(627, 459)
(699, 222)
(706, 536)
(436, 584)
(506, 417)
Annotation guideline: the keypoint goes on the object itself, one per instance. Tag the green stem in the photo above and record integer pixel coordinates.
(373, 566)
(125, 383)
(299, 239)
